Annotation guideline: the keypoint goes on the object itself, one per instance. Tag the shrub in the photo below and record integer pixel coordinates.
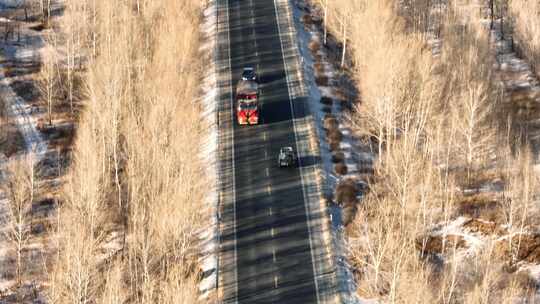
(314, 46)
(335, 135)
(346, 192)
(341, 168)
(330, 122)
(334, 146)
(348, 214)
(321, 80)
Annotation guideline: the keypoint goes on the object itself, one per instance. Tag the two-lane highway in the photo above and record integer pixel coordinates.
(267, 252)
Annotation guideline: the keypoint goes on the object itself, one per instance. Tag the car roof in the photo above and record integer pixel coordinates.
(250, 69)
(286, 149)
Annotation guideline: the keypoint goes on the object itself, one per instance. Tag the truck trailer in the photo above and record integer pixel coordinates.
(247, 103)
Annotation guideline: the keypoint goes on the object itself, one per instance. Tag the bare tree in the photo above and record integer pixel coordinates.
(473, 113)
(20, 187)
(50, 77)
(45, 8)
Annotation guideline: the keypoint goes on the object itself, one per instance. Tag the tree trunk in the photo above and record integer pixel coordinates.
(344, 44)
(325, 20)
(492, 12)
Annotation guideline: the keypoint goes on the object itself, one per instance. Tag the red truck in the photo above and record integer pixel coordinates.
(247, 104)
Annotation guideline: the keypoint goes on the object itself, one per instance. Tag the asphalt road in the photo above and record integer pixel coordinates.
(267, 249)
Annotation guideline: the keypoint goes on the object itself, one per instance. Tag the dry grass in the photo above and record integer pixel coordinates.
(527, 29)
(134, 197)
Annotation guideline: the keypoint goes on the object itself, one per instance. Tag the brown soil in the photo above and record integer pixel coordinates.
(434, 244)
(307, 19)
(480, 206)
(523, 97)
(319, 68)
(346, 192)
(338, 157)
(335, 135)
(483, 227)
(524, 280)
(524, 247)
(20, 68)
(340, 168)
(334, 146)
(330, 122)
(314, 46)
(321, 80)
(11, 140)
(480, 178)
(348, 214)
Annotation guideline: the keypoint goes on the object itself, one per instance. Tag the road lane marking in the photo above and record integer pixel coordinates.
(265, 137)
(267, 171)
(252, 19)
(272, 232)
(265, 154)
(275, 282)
(274, 254)
(270, 210)
(269, 189)
(289, 89)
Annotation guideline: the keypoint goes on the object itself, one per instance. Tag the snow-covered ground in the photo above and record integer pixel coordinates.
(11, 3)
(210, 238)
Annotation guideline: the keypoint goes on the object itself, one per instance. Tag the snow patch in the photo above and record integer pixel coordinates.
(209, 238)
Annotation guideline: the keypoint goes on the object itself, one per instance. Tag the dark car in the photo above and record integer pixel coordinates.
(287, 157)
(249, 74)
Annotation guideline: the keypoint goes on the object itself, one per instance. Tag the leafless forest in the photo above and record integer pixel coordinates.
(447, 103)
(132, 203)
(451, 213)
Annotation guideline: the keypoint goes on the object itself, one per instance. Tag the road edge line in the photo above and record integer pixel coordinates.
(308, 218)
